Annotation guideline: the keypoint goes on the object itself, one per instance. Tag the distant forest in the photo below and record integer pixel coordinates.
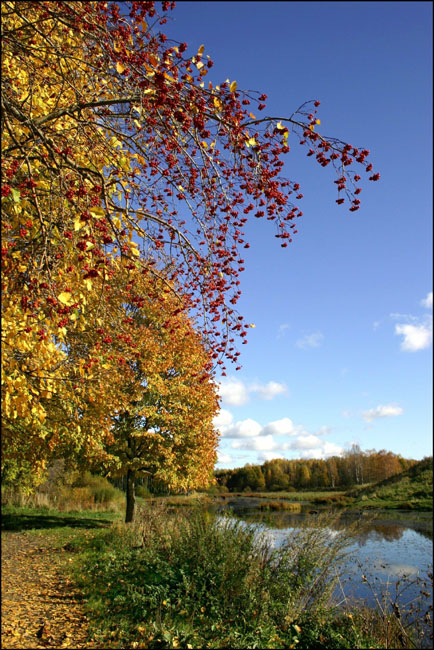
(355, 467)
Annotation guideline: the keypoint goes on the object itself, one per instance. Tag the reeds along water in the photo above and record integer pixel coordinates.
(280, 505)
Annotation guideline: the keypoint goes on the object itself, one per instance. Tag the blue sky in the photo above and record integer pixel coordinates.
(342, 348)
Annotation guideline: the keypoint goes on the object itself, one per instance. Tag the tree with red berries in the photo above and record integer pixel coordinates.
(115, 147)
(155, 394)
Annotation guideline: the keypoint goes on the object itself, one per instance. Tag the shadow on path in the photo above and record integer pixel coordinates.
(17, 522)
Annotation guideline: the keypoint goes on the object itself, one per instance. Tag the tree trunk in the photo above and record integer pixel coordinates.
(131, 496)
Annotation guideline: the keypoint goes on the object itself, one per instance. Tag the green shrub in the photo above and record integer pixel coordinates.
(143, 492)
(98, 488)
(192, 579)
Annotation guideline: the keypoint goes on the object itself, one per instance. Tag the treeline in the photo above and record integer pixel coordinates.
(355, 467)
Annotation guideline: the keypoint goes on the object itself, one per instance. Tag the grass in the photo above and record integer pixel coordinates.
(193, 580)
(291, 496)
(190, 579)
(62, 528)
(280, 505)
(410, 490)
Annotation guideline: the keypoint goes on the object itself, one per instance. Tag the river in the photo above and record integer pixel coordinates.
(391, 552)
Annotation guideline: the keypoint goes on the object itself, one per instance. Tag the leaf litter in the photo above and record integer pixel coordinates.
(41, 607)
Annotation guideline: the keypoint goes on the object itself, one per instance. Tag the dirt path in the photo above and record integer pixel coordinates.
(40, 607)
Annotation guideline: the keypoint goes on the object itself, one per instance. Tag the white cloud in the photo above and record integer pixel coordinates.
(313, 340)
(262, 443)
(223, 419)
(243, 429)
(326, 450)
(268, 391)
(406, 317)
(308, 441)
(331, 449)
(382, 411)
(306, 445)
(223, 458)
(269, 455)
(427, 302)
(233, 391)
(416, 331)
(282, 330)
(273, 440)
(324, 431)
(416, 337)
(283, 427)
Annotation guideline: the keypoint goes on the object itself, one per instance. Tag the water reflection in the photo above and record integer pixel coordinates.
(384, 525)
(391, 552)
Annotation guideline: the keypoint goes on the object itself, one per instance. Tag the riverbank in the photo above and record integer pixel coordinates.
(181, 578)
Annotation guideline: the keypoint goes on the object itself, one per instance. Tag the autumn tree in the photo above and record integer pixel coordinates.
(115, 146)
(163, 424)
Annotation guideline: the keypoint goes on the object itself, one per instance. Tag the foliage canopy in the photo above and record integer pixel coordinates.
(119, 159)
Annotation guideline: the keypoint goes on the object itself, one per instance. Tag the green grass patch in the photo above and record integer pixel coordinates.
(410, 490)
(291, 496)
(16, 518)
(194, 580)
(280, 505)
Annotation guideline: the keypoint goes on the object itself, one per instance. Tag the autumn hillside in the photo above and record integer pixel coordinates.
(411, 489)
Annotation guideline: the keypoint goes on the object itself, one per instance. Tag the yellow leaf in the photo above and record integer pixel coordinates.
(199, 65)
(77, 224)
(97, 212)
(88, 283)
(65, 298)
(201, 49)
(251, 142)
(125, 165)
(135, 252)
(120, 68)
(233, 86)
